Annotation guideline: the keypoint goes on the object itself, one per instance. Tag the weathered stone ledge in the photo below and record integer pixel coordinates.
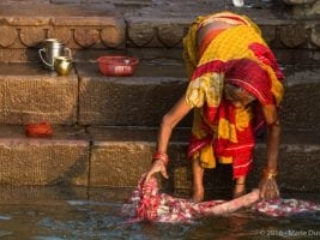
(78, 26)
(304, 8)
(106, 26)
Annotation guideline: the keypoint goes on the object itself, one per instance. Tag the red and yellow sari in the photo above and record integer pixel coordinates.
(240, 56)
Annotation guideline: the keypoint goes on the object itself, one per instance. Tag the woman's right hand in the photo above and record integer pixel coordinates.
(157, 166)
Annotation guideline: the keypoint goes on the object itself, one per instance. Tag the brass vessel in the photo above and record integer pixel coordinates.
(63, 65)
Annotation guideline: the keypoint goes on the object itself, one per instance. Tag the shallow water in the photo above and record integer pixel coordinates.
(95, 220)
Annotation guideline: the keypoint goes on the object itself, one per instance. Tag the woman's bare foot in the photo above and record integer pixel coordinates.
(198, 194)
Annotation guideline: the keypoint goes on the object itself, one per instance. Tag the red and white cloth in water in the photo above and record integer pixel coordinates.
(147, 204)
(285, 207)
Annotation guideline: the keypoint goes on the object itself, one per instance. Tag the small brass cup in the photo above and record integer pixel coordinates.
(63, 65)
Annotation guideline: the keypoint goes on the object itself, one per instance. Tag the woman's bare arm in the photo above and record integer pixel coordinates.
(268, 185)
(169, 121)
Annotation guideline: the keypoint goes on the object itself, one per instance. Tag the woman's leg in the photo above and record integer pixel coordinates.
(240, 187)
(198, 189)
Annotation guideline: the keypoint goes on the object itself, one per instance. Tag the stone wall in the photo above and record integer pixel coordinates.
(91, 28)
(304, 8)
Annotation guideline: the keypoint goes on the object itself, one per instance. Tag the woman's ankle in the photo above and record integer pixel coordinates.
(198, 194)
(239, 190)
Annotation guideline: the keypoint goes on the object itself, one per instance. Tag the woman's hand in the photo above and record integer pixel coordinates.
(268, 185)
(268, 188)
(157, 166)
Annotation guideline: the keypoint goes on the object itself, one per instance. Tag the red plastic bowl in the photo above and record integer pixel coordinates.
(38, 130)
(117, 65)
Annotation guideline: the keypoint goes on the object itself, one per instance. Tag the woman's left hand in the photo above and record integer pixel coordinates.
(268, 188)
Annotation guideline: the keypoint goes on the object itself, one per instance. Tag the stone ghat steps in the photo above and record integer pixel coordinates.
(88, 27)
(31, 94)
(92, 157)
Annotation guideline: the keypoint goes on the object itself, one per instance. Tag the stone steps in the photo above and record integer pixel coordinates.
(117, 156)
(93, 145)
(86, 97)
(105, 127)
(92, 27)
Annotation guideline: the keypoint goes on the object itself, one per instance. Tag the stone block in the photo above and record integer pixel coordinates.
(79, 25)
(293, 35)
(10, 55)
(119, 156)
(156, 34)
(44, 162)
(138, 100)
(302, 92)
(298, 162)
(294, 57)
(310, 9)
(119, 164)
(315, 35)
(31, 94)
